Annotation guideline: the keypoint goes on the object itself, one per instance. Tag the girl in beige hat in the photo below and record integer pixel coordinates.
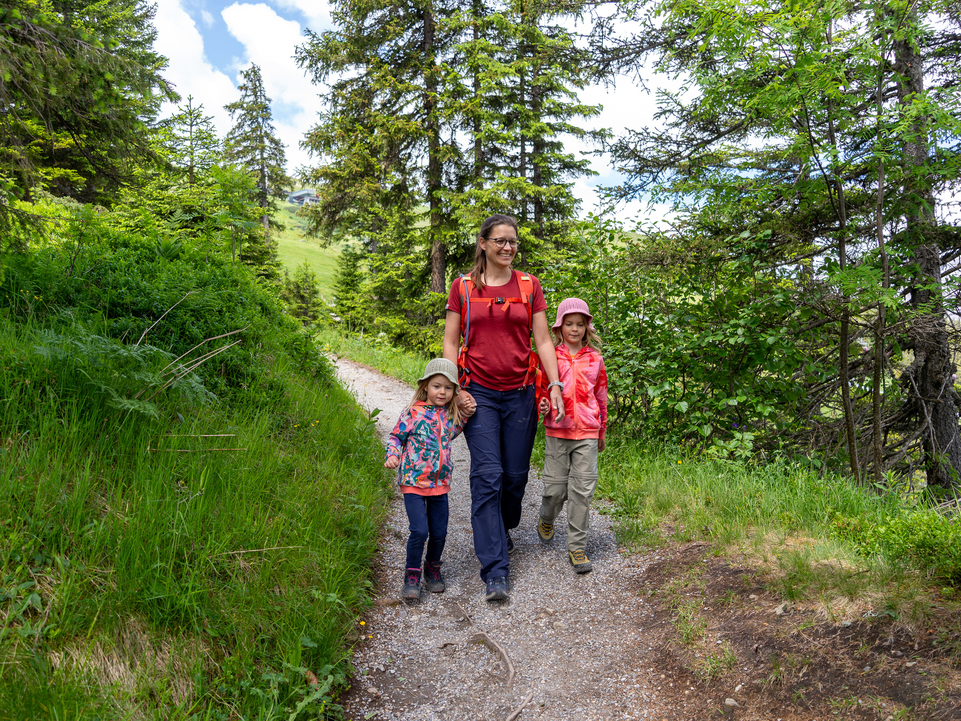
(419, 447)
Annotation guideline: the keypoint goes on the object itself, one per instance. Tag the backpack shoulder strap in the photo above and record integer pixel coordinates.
(527, 288)
(466, 285)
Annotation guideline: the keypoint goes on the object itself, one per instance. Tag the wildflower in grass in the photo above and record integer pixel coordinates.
(363, 623)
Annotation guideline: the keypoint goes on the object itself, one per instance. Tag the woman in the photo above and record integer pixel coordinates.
(500, 308)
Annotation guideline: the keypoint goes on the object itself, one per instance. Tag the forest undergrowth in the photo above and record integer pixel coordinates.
(188, 501)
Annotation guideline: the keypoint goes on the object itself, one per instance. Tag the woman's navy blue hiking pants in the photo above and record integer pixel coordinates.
(500, 436)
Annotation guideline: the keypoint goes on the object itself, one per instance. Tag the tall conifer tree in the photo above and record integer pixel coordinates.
(412, 79)
(79, 81)
(252, 143)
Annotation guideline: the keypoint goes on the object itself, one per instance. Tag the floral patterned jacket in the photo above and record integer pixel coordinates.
(585, 395)
(422, 439)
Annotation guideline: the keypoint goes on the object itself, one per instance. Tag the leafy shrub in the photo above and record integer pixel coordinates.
(181, 306)
(922, 539)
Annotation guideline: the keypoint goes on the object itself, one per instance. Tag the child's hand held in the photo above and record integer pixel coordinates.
(392, 462)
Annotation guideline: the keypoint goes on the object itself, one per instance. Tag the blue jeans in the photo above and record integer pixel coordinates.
(500, 436)
(428, 524)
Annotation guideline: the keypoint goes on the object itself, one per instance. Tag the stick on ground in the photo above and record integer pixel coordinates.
(517, 712)
(481, 636)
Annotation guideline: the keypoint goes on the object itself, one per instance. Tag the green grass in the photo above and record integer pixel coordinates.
(145, 571)
(294, 249)
(197, 551)
(373, 351)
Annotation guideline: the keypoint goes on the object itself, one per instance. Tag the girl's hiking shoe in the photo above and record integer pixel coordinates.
(580, 562)
(411, 588)
(496, 588)
(545, 530)
(510, 543)
(433, 580)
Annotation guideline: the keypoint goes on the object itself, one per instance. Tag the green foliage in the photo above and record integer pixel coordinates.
(182, 529)
(301, 295)
(252, 143)
(832, 129)
(921, 539)
(77, 80)
(707, 353)
(374, 292)
(189, 140)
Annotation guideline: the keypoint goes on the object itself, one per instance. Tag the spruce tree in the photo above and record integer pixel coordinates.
(429, 126)
(190, 140)
(79, 82)
(523, 69)
(252, 143)
(386, 134)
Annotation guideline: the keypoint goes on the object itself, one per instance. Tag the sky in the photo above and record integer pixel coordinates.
(209, 42)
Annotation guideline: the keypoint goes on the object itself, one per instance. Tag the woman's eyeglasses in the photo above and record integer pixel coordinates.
(504, 242)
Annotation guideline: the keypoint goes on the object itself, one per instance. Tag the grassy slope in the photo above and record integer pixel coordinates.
(294, 249)
(146, 572)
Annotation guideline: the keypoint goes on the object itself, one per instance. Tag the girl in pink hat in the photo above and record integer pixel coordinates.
(574, 440)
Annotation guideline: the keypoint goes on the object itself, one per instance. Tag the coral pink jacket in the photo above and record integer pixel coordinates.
(585, 395)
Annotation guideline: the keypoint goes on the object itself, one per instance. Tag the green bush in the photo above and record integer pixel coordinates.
(923, 539)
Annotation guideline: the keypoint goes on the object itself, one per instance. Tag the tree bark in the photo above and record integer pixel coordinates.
(438, 259)
(928, 379)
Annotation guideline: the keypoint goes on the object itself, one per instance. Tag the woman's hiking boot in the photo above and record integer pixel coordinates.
(411, 588)
(496, 588)
(433, 579)
(580, 561)
(545, 529)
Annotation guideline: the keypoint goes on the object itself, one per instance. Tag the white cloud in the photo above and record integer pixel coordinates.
(269, 41)
(189, 70)
(207, 18)
(316, 12)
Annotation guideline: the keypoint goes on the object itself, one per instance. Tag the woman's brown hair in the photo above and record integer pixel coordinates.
(480, 257)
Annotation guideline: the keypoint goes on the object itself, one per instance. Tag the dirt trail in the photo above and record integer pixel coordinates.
(676, 634)
(563, 647)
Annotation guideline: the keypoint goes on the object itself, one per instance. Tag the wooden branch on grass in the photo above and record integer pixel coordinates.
(207, 340)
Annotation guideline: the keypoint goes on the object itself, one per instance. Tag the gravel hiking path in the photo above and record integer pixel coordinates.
(563, 647)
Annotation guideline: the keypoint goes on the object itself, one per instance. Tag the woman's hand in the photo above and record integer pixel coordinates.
(557, 401)
(466, 404)
(392, 462)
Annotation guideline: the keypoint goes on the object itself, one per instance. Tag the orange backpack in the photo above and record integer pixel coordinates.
(534, 372)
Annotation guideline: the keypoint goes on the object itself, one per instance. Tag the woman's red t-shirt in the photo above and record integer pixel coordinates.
(500, 340)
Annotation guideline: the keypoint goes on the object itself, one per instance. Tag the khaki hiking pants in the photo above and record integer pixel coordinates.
(570, 474)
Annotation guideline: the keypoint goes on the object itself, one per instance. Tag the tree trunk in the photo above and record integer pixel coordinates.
(478, 180)
(537, 156)
(928, 379)
(438, 259)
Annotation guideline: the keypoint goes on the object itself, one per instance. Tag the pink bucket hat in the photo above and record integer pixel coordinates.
(572, 305)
